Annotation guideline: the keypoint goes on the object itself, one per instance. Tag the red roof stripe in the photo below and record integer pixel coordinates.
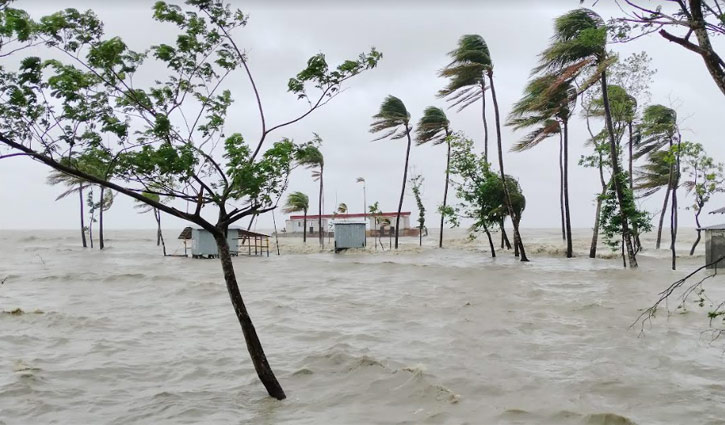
(360, 215)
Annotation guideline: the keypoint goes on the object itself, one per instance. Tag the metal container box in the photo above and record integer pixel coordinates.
(349, 235)
(204, 245)
(715, 245)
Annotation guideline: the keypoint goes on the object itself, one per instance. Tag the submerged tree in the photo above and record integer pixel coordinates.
(145, 208)
(298, 202)
(167, 128)
(310, 156)
(394, 120)
(416, 182)
(434, 127)
(579, 44)
(75, 185)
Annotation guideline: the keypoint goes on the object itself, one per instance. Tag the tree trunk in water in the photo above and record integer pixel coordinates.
(304, 228)
(517, 235)
(445, 191)
(662, 215)
(402, 191)
(697, 241)
(319, 208)
(673, 215)
(160, 234)
(83, 224)
(100, 221)
(504, 237)
(490, 242)
(615, 173)
(569, 250)
(595, 235)
(254, 346)
(485, 122)
(157, 216)
(561, 186)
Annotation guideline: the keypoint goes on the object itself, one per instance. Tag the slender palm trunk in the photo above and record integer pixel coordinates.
(445, 190)
(697, 221)
(569, 250)
(485, 122)
(504, 236)
(664, 206)
(254, 346)
(402, 191)
(637, 242)
(100, 221)
(561, 185)
(83, 224)
(319, 208)
(517, 235)
(626, 235)
(673, 214)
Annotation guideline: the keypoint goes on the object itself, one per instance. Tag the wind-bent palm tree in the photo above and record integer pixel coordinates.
(471, 64)
(547, 106)
(394, 120)
(342, 208)
(75, 185)
(467, 74)
(434, 127)
(658, 130)
(296, 202)
(579, 44)
(310, 156)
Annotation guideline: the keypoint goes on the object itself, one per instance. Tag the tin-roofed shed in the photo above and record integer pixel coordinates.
(241, 241)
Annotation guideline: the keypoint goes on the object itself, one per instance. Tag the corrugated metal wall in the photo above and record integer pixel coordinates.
(203, 243)
(349, 235)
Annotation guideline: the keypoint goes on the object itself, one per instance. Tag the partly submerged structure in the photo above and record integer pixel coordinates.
(379, 225)
(714, 246)
(240, 241)
(349, 235)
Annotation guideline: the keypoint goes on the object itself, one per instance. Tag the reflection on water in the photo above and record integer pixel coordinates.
(429, 336)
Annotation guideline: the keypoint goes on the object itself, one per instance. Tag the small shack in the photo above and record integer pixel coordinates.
(241, 241)
(349, 235)
(714, 245)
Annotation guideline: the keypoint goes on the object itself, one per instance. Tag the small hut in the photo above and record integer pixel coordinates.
(349, 235)
(714, 245)
(241, 241)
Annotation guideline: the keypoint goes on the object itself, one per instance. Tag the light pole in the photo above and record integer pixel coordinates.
(365, 201)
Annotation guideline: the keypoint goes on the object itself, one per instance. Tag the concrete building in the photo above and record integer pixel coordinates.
(295, 222)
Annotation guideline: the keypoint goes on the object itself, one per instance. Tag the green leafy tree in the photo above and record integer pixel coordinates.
(310, 156)
(434, 127)
(169, 133)
(298, 202)
(579, 46)
(704, 179)
(611, 215)
(393, 120)
(375, 213)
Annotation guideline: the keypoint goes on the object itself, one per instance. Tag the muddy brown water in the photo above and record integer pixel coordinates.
(421, 336)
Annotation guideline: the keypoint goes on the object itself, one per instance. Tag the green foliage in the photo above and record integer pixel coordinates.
(579, 36)
(392, 119)
(611, 214)
(705, 177)
(480, 190)
(470, 62)
(416, 182)
(296, 202)
(432, 127)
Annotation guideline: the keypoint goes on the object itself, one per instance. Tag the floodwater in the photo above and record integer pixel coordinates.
(419, 336)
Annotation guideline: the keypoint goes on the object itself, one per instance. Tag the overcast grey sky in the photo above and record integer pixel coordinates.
(414, 38)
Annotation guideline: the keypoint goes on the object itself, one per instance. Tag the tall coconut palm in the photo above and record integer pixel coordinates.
(394, 120)
(434, 127)
(472, 64)
(296, 202)
(547, 106)
(310, 156)
(579, 44)
(75, 185)
(467, 72)
(658, 130)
